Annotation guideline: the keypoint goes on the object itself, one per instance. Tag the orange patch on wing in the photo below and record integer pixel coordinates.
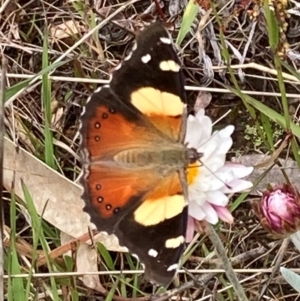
(169, 125)
(111, 188)
(115, 189)
(109, 133)
(170, 185)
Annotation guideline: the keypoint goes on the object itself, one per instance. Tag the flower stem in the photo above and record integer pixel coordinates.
(221, 252)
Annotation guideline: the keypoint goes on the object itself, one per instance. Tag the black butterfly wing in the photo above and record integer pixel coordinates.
(146, 98)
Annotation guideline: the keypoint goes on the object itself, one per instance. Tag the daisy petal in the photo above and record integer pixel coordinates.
(210, 183)
(211, 214)
(217, 198)
(196, 211)
(237, 185)
(238, 170)
(190, 229)
(224, 214)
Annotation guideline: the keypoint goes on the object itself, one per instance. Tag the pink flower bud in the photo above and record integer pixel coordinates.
(279, 210)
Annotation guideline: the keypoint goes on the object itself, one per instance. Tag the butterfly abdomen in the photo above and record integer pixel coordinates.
(133, 158)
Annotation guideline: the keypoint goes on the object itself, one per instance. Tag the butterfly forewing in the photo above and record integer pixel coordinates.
(151, 79)
(133, 159)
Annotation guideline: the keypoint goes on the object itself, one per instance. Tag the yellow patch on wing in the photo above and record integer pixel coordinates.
(153, 212)
(173, 243)
(169, 66)
(152, 101)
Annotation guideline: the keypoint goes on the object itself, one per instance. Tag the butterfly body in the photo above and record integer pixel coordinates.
(175, 157)
(134, 157)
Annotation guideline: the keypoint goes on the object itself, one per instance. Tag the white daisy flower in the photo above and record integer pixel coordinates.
(212, 179)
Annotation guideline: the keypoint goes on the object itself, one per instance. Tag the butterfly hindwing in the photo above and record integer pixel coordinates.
(133, 157)
(161, 256)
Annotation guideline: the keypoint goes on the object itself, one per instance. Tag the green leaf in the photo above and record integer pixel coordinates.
(106, 256)
(188, 18)
(10, 92)
(46, 98)
(292, 278)
(111, 293)
(39, 234)
(16, 289)
(273, 115)
(272, 25)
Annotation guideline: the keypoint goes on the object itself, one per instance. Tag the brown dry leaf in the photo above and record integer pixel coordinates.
(56, 118)
(53, 195)
(87, 257)
(86, 261)
(203, 100)
(65, 30)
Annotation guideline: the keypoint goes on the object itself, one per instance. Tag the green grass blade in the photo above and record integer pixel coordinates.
(272, 25)
(111, 294)
(268, 131)
(106, 256)
(15, 285)
(46, 97)
(38, 232)
(272, 114)
(123, 288)
(188, 18)
(291, 69)
(10, 92)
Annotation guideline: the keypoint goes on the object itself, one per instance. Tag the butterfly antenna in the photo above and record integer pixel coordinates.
(2, 96)
(213, 173)
(201, 164)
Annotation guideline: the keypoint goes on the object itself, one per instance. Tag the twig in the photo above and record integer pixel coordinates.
(2, 96)
(188, 88)
(220, 250)
(276, 267)
(65, 54)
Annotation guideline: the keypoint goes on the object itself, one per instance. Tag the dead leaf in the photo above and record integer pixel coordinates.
(46, 186)
(65, 30)
(202, 101)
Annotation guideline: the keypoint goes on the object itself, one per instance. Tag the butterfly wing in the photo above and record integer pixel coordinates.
(141, 108)
(152, 80)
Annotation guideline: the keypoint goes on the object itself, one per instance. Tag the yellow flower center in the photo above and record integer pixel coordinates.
(193, 171)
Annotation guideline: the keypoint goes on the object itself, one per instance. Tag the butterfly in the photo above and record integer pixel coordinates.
(134, 156)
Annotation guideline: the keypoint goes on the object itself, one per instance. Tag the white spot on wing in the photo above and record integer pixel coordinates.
(152, 253)
(173, 267)
(169, 66)
(173, 243)
(165, 40)
(146, 58)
